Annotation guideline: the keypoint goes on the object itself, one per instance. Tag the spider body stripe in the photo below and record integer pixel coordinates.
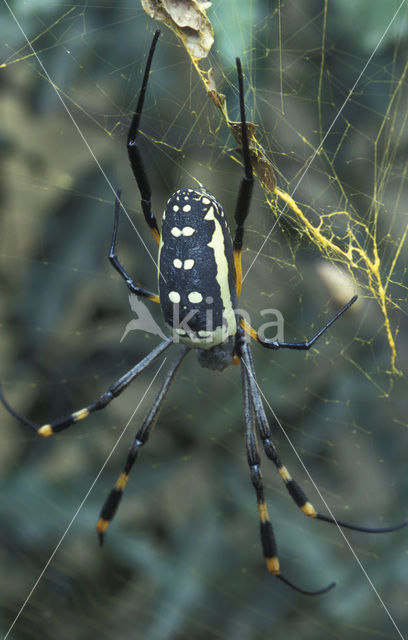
(202, 294)
(238, 271)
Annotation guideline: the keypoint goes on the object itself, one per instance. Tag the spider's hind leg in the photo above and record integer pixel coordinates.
(266, 529)
(295, 491)
(112, 501)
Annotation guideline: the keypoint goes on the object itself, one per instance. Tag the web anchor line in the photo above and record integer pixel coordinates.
(317, 151)
(47, 564)
(332, 519)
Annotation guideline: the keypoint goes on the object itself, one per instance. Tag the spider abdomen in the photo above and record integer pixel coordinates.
(196, 270)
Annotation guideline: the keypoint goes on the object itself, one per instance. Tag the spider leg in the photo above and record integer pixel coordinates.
(267, 534)
(112, 501)
(114, 390)
(300, 346)
(246, 187)
(135, 155)
(139, 291)
(295, 491)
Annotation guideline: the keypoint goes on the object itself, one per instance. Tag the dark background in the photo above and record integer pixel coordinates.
(182, 558)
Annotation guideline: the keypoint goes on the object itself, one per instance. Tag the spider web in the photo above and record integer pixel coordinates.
(183, 557)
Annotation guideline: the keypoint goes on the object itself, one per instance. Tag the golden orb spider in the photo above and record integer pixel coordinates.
(200, 271)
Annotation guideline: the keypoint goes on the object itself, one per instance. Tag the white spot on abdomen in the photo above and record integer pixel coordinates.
(174, 297)
(195, 297)
(188, 264)
(177, 263)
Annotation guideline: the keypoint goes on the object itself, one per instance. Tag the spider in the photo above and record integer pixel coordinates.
(199, 279)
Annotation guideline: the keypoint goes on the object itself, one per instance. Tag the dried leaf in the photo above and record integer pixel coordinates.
(188, 20)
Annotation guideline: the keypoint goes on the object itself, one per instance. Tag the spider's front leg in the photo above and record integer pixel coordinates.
(134, 152)
(246, 186)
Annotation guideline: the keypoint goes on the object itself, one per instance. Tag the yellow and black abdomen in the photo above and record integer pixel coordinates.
(196, 270)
